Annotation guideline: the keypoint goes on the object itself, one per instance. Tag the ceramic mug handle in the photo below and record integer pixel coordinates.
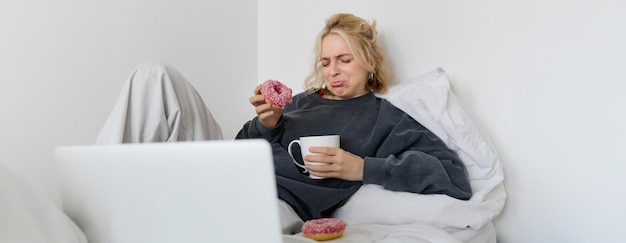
(294, 159)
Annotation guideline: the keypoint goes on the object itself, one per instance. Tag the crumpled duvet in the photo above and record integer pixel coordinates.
(157, 104)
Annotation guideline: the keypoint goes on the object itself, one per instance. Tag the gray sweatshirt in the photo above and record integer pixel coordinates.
(400, 154)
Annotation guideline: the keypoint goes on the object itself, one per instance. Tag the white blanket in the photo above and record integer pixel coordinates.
(26, 215)
(157, 104)
(414, 233)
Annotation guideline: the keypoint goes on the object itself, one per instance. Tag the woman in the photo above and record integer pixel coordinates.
(380, 144)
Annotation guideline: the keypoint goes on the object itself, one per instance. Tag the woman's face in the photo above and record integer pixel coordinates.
(343, 75)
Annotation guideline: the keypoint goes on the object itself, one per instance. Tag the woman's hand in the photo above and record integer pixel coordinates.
(340, 163)
(267, 114)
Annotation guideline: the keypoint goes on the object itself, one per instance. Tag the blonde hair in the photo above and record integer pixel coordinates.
(363, 43)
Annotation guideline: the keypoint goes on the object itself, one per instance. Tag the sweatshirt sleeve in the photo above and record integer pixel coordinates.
(416, 160)
(255, 129)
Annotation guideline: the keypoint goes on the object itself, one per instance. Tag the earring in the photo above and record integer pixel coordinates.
(371, 76)
(324, 85)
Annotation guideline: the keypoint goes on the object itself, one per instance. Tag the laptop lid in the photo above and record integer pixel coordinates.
(211, 191)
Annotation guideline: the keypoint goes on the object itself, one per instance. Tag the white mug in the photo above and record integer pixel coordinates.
(312, 141)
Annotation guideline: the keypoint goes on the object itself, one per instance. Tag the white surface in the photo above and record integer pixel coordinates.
(296, 239)
(544, 78)
(414, 233)
(215, 191)
(26, 215)
(361, 233)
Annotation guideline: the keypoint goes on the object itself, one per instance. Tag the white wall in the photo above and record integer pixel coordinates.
(544, 77)
(62, 64)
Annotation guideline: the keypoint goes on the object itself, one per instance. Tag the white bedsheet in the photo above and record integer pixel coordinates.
(158, 104)
(414, 233)
(27, 215)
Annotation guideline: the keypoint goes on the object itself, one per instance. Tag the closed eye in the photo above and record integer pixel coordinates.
(324, 62)
(345, 58)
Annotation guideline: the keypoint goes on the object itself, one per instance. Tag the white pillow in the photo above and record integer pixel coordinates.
(28, 216)
(429, 100)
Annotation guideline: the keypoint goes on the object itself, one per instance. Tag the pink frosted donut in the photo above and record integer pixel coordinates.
(276, 93)
(323, 229)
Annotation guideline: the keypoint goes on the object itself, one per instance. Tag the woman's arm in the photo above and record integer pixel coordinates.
(266, 124)
(255, 129)
(414, 159)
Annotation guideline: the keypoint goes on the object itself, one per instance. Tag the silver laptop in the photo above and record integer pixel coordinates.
(213, 191)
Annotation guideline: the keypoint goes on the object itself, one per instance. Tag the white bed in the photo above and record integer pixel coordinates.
(372, 214)
(409, 217)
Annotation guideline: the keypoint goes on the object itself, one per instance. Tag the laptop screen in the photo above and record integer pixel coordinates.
(212, 191)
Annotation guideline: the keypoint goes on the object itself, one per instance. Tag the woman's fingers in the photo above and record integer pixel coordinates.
(339, 163)
(257, 100)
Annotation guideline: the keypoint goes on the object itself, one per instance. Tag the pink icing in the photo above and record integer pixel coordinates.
(276, 93)
(323, 226)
